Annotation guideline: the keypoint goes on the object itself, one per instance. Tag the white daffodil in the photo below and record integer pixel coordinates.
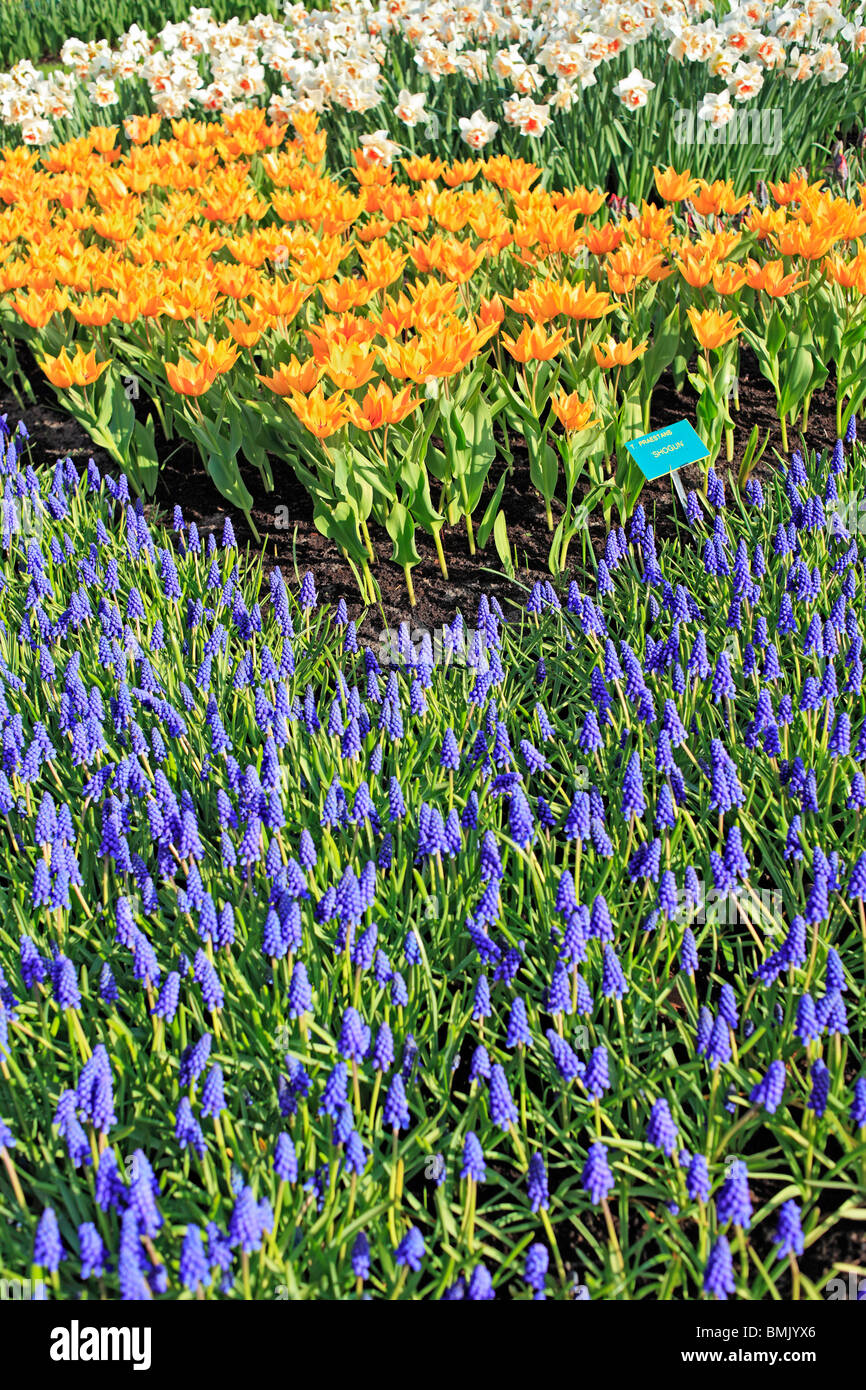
(633, 91)
(476, 130)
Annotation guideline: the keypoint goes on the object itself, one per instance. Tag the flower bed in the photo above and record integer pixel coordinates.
(373, 334)
(492, 968)
(34, 30)
(736, 91)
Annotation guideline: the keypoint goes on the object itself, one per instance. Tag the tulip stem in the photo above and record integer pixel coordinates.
(410, 588)
(437, 541)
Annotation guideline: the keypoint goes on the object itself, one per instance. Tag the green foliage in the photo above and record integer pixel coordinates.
(38, 29)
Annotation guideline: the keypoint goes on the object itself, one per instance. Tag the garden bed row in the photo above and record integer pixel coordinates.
(525, 964)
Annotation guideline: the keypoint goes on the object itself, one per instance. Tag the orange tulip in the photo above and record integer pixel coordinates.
(396, 318)
(850, 275)
(435, 355)
(81, 369)
(190, 300)
(454, 349)
(654, 224)
(631, 264)
(674, 187)
(252, 249)
(852, 222)
(14, 276)
(515, 175)
(491, 311)
(382, 264)
(305, 122)
(697, 266)
(728, 279)
(533, 344)
(795, 189)
(573, 413)
(583, 201)
(320, 415)
(368, 171)
(422, 167)
(189, 378)
(451, 211)
(341, 295)
(349, 366)
(771, 278)
(37, 309)
(294, 378)
(102, 137)
(585, 302)
(431, 300)
(381, 407)
(712, 329)
(426, 254)
(116, 226)
(601, 240)
(246, 332)
(541, 300)
(408, 360)
(236, 281)
(618, 354)
(461, 171)
(74, 194)
(764, 222)
(797, 239)
(94, 312)
(279, 300)
(558, 235)
(460, 260)
(490, 224)
(338, 331)
(711, 199)
(545, 299)
(219, 356)
(141, 128)
(719, 243)
(231, 206)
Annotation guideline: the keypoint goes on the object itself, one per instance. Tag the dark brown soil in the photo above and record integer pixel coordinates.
(299, 546)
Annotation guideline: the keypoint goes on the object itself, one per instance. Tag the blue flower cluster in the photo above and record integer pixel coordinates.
(303, 944)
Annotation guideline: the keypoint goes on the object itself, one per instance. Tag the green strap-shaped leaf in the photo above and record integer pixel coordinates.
(224, 471)
(500, 540)
(340, 523)
(491, 512)
(401, 529)
(796, 379)
(146, 459)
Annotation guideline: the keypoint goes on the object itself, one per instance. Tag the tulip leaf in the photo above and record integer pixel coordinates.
(223, 469)
(339, 523)
(491, 512)
(401, 529)
(500, 540)
(796, 379)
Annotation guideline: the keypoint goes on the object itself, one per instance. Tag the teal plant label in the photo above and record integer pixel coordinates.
(667, 449)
